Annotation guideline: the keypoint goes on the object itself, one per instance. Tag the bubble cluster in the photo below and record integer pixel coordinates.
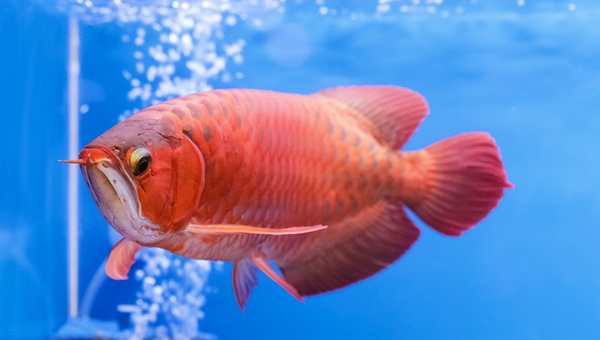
(169, 303)
(428, 6)
(179, 47)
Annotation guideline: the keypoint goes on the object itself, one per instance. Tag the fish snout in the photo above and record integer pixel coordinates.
(89, 156)
(115, 194)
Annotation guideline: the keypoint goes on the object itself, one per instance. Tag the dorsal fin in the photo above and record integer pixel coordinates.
(396, 112)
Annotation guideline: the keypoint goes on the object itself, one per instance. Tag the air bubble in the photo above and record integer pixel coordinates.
(230, 20)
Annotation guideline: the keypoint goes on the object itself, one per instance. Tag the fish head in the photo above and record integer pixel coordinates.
(145, 175)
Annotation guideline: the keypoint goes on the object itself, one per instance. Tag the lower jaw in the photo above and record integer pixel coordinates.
(115, 211)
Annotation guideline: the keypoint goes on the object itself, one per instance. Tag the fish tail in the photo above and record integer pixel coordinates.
(453, 184)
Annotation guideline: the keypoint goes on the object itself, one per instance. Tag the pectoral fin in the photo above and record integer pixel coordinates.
(245, 229)
(121, 258)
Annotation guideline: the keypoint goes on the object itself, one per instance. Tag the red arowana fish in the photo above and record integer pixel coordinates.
(315, 184)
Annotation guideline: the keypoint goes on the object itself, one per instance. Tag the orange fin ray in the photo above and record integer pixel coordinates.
(121, 258)
(245, 279)
(245, 229)
(372, 240)
(466, 180)
(395, 112)
(266, 268)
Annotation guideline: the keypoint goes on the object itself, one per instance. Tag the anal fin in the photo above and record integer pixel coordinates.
(362, 246)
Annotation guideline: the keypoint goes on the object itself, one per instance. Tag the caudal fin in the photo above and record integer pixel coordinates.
(462, 180)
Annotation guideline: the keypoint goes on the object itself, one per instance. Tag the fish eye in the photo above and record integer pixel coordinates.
(139, 161)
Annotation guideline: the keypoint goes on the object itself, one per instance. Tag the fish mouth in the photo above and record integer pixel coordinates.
(116, 196)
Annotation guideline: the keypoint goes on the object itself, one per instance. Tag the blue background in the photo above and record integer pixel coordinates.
(526, 74)
(32, 194)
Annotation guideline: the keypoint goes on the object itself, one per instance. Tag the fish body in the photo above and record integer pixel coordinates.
(315, 184)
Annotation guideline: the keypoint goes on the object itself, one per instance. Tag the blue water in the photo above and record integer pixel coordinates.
(528, 74)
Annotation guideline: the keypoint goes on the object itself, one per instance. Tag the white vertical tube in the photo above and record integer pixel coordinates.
(73, 187)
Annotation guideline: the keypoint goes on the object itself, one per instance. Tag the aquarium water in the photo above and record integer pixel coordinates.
(526, 71)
